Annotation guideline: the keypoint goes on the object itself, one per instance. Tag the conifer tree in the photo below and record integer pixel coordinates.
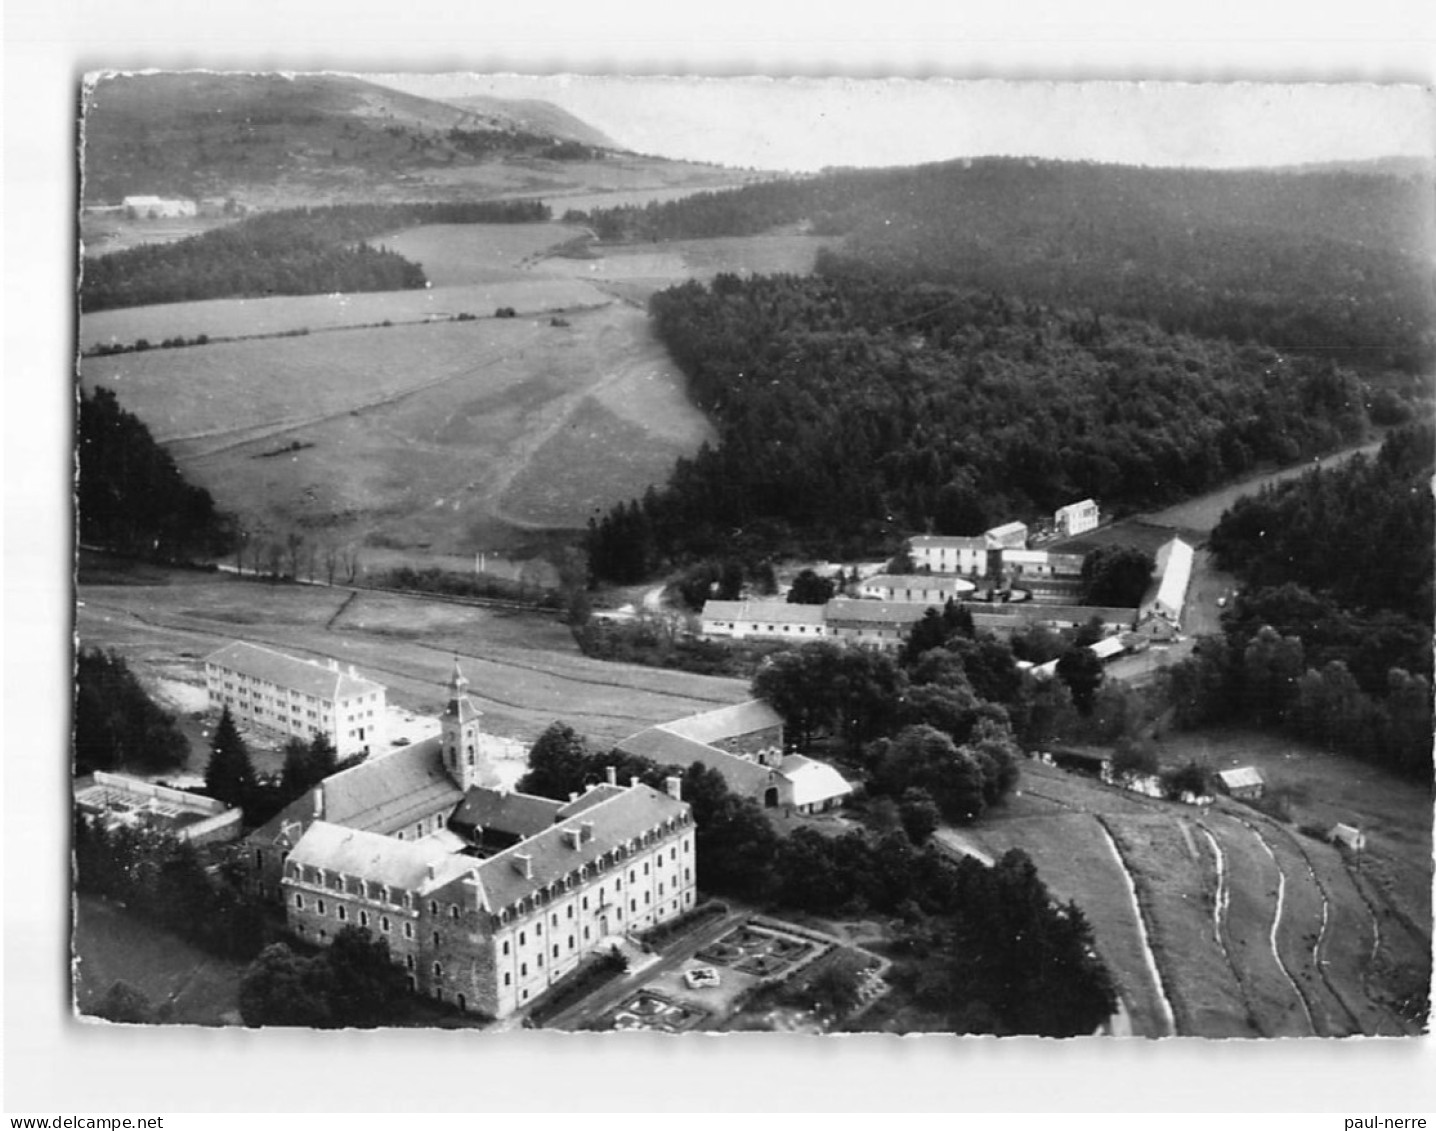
(229, 777)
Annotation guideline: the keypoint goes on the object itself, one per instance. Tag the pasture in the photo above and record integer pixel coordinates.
(419, 436)
(1256, 929)
(456, 255)
(255, 317)
(524, 668)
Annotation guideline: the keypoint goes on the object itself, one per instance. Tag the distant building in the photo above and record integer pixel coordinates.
(157, 208)
(1027, 564)
(1077, 518)
(925, 588)
(763, 620)
(1009, 536)
(744, 744)
(302, 698)
(1347, 837)
(1244, 783)
(486, 898)
(877, 624)
(120, 801)
(955, 555)
(1161, 610)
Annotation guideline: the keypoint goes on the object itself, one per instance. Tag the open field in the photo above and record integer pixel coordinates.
(1323, 789)
(416, 433)
(1255, 928)
(254, 317)
(460, 254)
(524, 668)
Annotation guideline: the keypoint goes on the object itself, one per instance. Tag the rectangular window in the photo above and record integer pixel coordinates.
(343, 914)
(299, 902)
(506, 946)
(508, 979)
(321, 907)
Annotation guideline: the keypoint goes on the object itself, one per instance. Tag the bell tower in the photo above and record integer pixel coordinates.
(463, 737)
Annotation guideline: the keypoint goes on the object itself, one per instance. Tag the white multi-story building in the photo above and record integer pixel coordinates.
(949, 554)
(1077, 518)
(303, 698)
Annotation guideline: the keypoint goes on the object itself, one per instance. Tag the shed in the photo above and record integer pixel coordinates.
(1347, 837)
(1244, 783)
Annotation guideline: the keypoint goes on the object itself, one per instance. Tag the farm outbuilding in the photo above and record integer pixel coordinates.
(1244, 783)
(1347, 837)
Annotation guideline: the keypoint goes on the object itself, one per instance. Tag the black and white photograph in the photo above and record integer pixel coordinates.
(639, 555)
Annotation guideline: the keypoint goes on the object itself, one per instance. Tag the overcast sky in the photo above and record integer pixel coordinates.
(805, 124)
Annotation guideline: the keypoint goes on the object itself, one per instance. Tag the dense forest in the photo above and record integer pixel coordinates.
(854, 407)
(1331, 637)
(1333, 263)
(131, 497)
(117, 725)
(296, 251)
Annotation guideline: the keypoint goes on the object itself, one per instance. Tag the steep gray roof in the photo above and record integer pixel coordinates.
(1241, 778)
(519, 814)
(387, 793)
(309, 677)
(899, 613)
(552, 855)
(726, 722)
(369, 856)
(742, 775)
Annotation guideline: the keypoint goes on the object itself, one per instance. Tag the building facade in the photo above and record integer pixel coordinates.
(485, 897)
(952, 555)
(1077, 518)
(301, 698)
(763, 620)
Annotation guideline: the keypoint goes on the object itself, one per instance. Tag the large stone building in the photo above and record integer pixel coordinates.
(486, 897)
(302, 698)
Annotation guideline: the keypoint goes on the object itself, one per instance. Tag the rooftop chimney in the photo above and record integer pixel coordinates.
(675, 788)
(524, 864)
(572, 837)
(633, 781)
(319, 803)
(612, 775)
(433, 870)
(573, 795)
(586, 831)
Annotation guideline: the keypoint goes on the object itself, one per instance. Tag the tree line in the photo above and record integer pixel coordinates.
(1331, 640)
(1317, 261)
(856, 407)
(296, 251)
(131, 497)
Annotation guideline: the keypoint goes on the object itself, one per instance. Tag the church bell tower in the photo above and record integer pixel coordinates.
(464, 755)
